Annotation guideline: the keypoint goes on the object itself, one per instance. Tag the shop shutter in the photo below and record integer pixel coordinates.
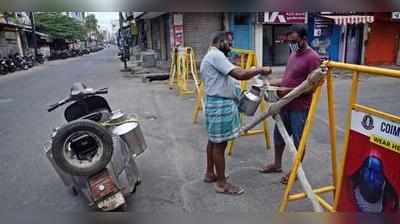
(197, 30)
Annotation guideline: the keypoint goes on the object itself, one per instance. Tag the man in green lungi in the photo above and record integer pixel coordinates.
(221, 110)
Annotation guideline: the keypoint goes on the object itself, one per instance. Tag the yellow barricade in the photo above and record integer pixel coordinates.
(183, 70)
(335, 186)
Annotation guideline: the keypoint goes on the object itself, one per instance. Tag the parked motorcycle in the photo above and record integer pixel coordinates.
(29, 60)
(19, 61)
(86, 51)
(3, 66)
(95, 152)
(40, 58)
(11, 67)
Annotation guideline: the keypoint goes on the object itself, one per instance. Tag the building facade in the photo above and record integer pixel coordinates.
(79, 16)
(383, 42)
(162, 31)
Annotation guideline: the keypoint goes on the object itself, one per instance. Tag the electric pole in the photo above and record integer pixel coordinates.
(123, 43)
(34, 40)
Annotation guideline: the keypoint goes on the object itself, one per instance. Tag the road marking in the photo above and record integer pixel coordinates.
(6, 100)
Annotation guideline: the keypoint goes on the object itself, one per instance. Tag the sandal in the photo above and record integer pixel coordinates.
(270, 169)
(208, 179)
(229, 189)
(285, 179)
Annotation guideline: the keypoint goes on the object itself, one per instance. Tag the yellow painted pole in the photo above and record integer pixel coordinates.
(184, 74)
(302, 195)
(301, 148)
(332, 125)
(352, 100)
(230, 147)
(375, 112)
(242, 60)
(265, 127)
(178, 72)
(365, 69)
(172, 71)
(199, 105)
(243, 87)
(250, 62)
(324, 204)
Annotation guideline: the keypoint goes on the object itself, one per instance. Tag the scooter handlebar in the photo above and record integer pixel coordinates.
(54, 106)
(102, 91)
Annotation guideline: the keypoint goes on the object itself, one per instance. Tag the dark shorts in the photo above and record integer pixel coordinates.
(294, 123)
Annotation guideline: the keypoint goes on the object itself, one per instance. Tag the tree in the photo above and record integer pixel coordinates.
(92, 27)
(91, 23)
(60, 26)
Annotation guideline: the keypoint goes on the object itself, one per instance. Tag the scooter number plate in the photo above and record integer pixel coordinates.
(112, 202)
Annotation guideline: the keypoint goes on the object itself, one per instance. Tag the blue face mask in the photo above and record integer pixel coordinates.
(294, 47)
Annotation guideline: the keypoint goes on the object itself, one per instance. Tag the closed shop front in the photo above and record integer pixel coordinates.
(166, 21)
(147, 29)
(383, 40)
(352, 35)
(197, 30)
(276, 25)
(155, 34)
(10, 41)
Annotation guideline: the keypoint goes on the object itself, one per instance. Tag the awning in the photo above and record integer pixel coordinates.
(350, 19)
(149, 15)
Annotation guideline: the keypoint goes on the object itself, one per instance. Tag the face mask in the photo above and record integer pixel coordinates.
(294, 47)
(225, 48)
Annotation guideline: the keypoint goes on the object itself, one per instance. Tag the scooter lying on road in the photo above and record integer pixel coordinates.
(94, 153)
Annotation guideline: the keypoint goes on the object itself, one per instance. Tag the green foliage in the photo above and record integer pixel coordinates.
(91, 23)
(91, 26)
(60, 26)
(9, 16)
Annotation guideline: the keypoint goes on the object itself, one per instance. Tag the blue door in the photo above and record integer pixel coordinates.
(242, 29)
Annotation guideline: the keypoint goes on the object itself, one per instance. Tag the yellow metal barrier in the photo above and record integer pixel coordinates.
(335, 186)
(248, 59)
(183, 69)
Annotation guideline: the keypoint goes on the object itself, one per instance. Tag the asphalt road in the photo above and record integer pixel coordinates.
(173, 166)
